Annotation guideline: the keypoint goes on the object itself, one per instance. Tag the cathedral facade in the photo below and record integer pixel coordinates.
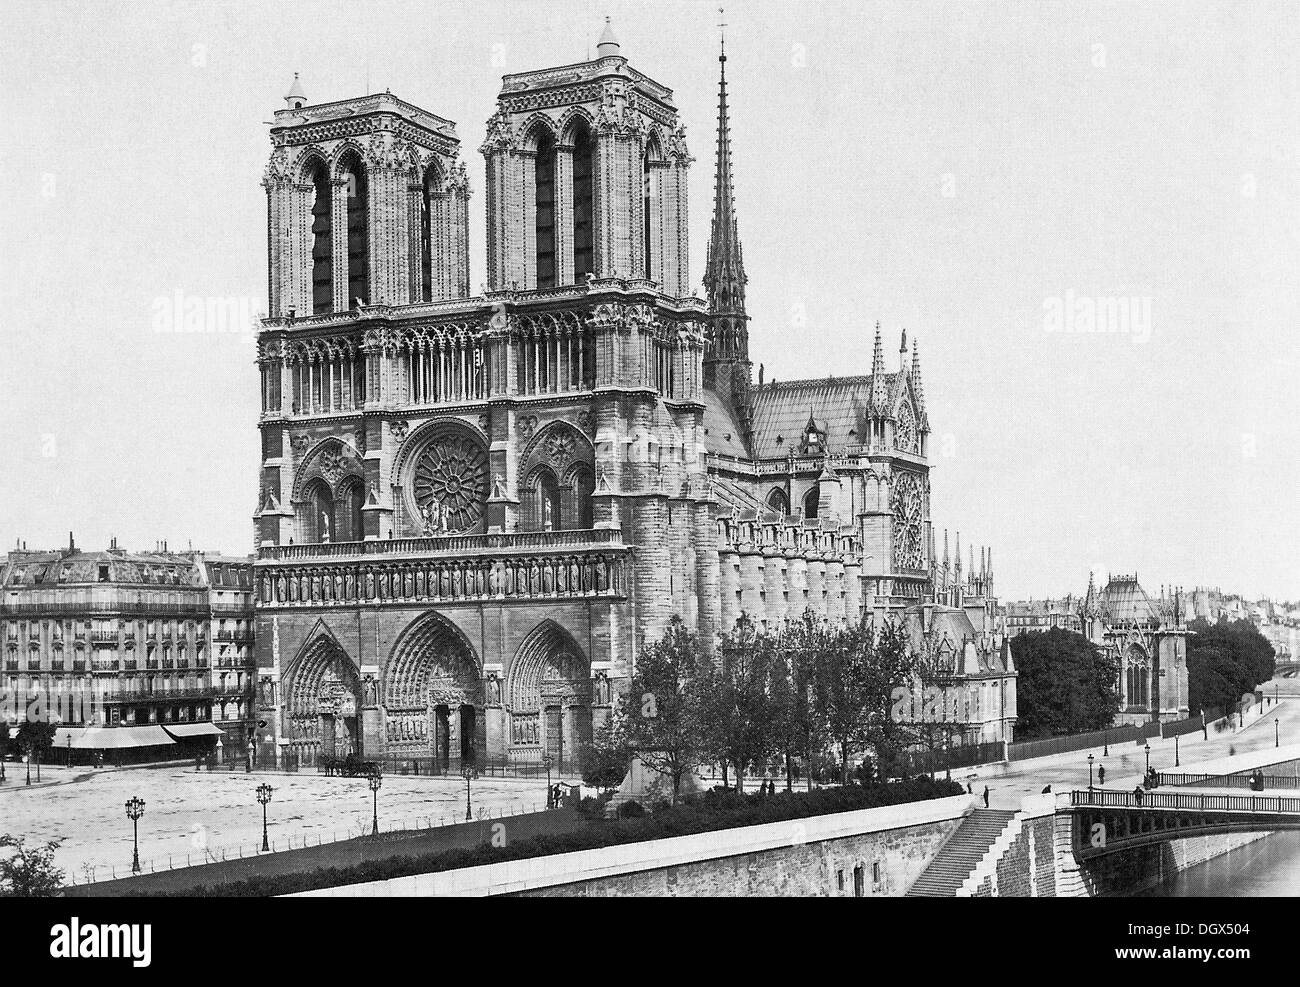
(475, 510)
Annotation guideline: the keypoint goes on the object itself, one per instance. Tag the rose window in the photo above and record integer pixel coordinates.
(908, 507)
(451, 482)
(905, 430)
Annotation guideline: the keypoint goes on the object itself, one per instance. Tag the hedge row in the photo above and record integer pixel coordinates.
(701, 814)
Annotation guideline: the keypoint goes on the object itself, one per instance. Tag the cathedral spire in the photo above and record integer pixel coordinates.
(916, 378)
(879, 394)
(724, 275)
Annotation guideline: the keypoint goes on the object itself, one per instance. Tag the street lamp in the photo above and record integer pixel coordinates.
(548, 760)
(27, 760)
(1105, 743)
(1147, 749)
(469, 773)
(1177, 763)
(134, 810)
(264, 796)
(1089, 772)
(1277, 737)
(376, 779)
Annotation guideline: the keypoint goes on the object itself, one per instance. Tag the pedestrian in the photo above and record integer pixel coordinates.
(986, 796)
(1101, 776)
(1137, 794)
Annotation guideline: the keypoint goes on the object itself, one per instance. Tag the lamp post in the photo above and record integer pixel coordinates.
(264, 796)
(27, 760)
(469, 773)
(1105, 744)
(1147, 749)
(134, 810)
(1277, 737)
(548, 760)
(376, 780)
(69, 761)
(1089, 772)
(1177, 763)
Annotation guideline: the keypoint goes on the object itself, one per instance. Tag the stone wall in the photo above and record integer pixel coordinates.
(886, 849)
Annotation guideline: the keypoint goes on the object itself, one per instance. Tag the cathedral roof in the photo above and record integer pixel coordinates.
(722, 435)
(1123, 601)
(840, 404)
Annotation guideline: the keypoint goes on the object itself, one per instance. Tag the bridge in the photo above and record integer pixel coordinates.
(1105, 822)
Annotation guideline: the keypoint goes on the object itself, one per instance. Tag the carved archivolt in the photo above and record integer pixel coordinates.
(332, 460)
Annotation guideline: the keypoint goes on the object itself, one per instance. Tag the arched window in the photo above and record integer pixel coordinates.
(584, 485)
(322, 245)
(584, 153)
(551, 516)
(358, 231)
(318, 524)
(426, 234)
(810, 501)
(348, 522)
(645, 216)
(544, 174)
(778, 501)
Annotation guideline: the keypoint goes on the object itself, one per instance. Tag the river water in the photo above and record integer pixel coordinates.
(1266, 868)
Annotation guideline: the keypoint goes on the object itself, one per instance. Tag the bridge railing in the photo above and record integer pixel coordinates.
(1185, 800)
(1285, 782)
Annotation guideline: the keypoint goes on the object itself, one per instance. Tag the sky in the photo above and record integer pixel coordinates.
(1003, 180)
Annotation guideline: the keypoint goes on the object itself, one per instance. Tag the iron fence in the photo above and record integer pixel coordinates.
(1072, 742)
(1103, 799)
(1174, 780)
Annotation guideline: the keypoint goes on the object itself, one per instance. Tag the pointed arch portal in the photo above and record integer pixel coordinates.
(433, 694)
(549, 696)
(323, 695)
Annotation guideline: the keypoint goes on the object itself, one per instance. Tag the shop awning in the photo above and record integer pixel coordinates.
(204, 729)
(110, 738)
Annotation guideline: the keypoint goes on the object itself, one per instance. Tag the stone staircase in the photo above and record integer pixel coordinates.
(958, 857)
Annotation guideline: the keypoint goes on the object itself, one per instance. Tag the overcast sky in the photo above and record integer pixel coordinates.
(983, 174)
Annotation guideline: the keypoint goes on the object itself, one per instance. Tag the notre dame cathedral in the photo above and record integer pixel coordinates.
(475, 510)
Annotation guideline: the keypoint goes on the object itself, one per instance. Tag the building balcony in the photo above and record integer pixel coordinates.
(103, 637)
(11, 665)
(439, 545)
(78, 664)
(459, 568)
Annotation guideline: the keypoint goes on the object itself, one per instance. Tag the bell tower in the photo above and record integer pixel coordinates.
(586, 178)
(366, 205)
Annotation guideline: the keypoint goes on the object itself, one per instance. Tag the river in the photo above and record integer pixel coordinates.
(1266, 868)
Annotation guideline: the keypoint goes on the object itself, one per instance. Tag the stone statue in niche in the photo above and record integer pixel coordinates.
(427, 520)
(493, 691)
(324, 528)
(370, 689)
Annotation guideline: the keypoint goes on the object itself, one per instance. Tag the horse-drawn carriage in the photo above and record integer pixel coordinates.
(349, 767)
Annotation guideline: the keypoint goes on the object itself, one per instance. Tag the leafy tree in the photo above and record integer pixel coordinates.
(889, 665)
(797, 731)
(604, 759)
(731, 700)
(35, 738)
(656, 718)
(1224, 661)
(5, 738)
(856, 671)
(1066, 684)
(29, 871)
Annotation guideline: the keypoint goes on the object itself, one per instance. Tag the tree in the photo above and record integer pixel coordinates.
(1066, 684)
(655, 715)
(856, 671)
(797, 732)
(29, 871)
(731, 700)
(604, 758)
(1224, 661)
(35, 738)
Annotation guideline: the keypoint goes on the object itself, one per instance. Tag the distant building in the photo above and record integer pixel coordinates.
(1149, 636)
(144, 655)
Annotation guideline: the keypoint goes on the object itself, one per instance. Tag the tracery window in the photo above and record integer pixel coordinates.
(322, 246)
(584, 153)
(544, 175)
